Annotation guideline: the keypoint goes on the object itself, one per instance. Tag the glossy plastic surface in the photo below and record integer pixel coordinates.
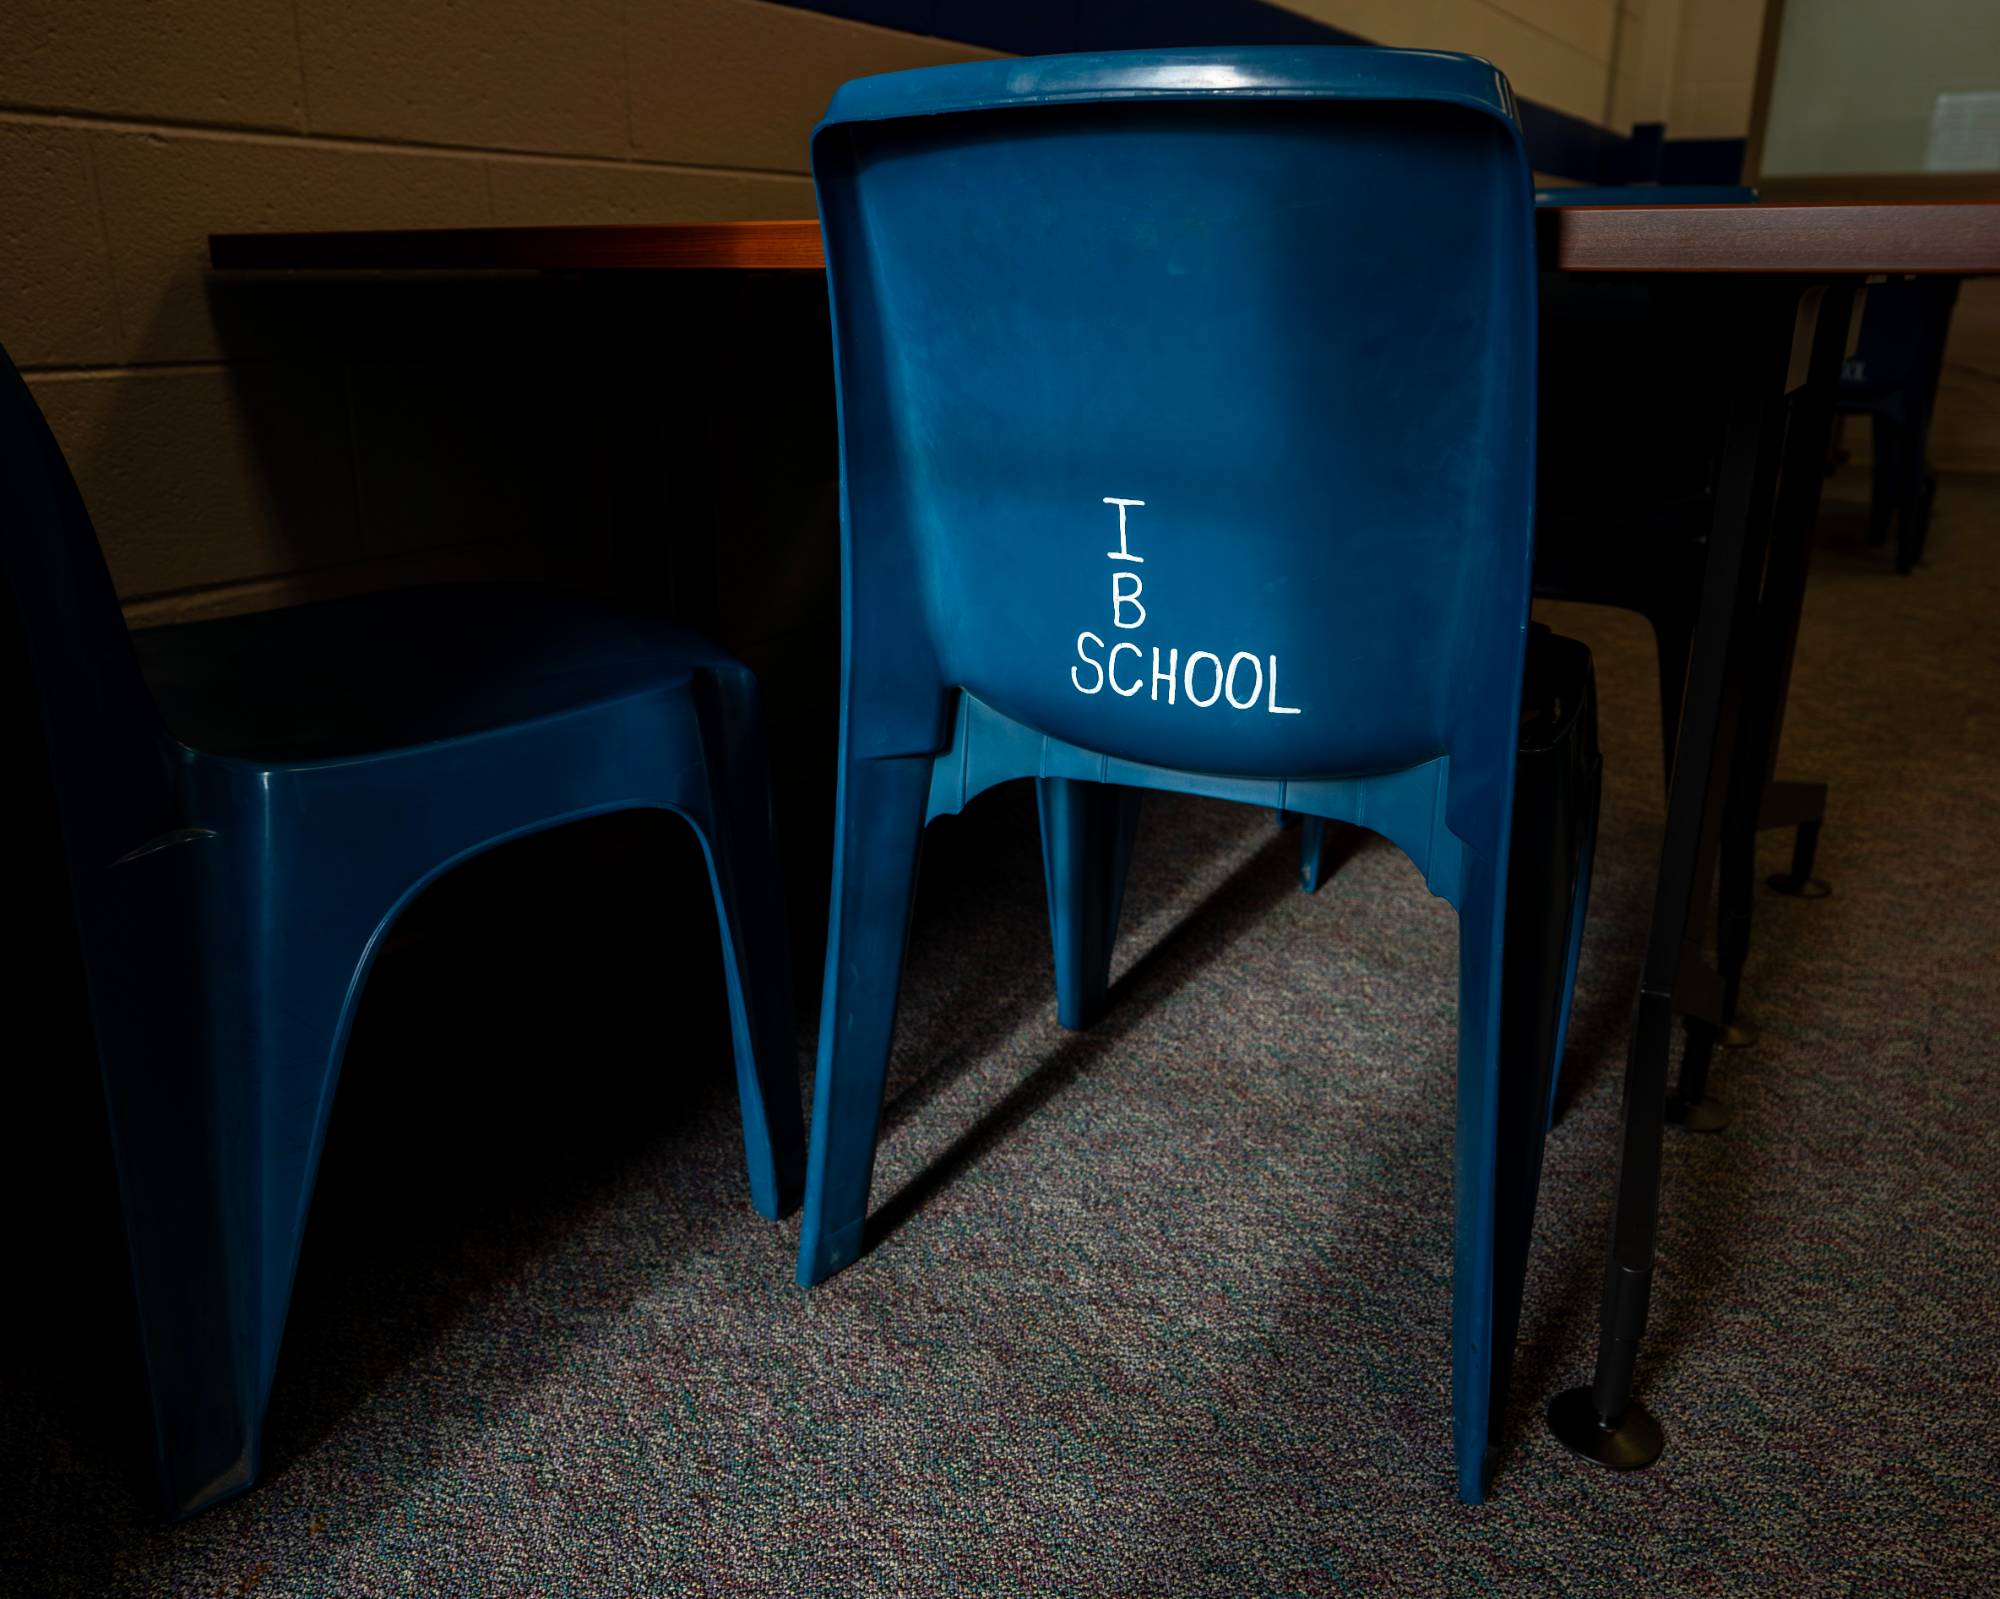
(1187, 409)
(247, 805)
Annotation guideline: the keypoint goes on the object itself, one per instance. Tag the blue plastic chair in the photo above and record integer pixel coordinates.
(247, 805)
(1892, 379)
(1187, 428)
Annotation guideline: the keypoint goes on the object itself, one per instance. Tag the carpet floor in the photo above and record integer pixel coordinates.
(1161, 1308)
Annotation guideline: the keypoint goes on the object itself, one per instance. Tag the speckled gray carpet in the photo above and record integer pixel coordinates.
(1156, 1310)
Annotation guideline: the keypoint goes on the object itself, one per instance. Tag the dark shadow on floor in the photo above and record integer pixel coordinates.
(1192, 944)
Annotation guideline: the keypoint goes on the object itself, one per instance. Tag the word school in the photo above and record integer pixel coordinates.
(1203, 680)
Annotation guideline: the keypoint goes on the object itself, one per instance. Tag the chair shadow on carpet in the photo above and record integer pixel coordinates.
(955, 1036)
(994, 868)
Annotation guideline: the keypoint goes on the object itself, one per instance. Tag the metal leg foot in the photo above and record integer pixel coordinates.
(1631, 1443)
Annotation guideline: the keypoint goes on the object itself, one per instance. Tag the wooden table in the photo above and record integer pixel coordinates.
(1770, 289)
(1948, 237)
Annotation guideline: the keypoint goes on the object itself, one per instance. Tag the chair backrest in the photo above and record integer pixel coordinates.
(107, 758)
(1187, 403)
(1904, 325)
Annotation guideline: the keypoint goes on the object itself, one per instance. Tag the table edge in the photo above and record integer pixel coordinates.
(1956, 237)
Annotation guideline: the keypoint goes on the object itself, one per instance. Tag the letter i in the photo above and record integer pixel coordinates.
(1124, 550)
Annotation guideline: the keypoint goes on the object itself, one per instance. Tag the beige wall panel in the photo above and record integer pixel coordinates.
(740, 84)
(209, 476)
(1588, 25)
(163, 196)
(1644, 64)
(1715, 68)
(1538, 64)
(229, 62)
(1625, 100)
(56, 302)
(1711, 110)
(550, 193)
(501, 74)
(1719, 40)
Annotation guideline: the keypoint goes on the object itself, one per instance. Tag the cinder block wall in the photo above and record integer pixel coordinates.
(234, 451)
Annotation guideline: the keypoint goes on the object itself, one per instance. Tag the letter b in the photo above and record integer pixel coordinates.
(1123, 597)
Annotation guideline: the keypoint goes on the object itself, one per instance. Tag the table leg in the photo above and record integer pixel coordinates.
(1603, 1422)
(1801, 806)
(1775, 623)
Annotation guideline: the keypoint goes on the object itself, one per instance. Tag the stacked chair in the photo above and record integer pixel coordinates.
(246, 805)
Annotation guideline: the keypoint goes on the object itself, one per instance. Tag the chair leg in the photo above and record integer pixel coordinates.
(878, 833)
(1736, 897)
(742, 852)
(1914, 509)
(1548, 894)
(1573, 953)
(1480, 941)
(1673, 640)
(1886, 445)
(187, 1180)
(218, 1058)
(1087, 832)
(1312, 853)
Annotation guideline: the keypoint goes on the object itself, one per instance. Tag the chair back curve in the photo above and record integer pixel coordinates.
(109, 762)
(1187, 405)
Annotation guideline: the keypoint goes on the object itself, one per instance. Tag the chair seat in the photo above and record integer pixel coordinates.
(381, 672)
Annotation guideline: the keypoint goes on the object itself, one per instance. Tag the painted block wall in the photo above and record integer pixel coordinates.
(233, 451)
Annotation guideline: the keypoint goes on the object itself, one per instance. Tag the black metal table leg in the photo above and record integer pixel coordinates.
(1775, 638)
(1774, 626)
(1772, 358)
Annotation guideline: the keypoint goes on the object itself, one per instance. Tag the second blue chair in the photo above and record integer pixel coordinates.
(247, 805)
(1187, 413)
